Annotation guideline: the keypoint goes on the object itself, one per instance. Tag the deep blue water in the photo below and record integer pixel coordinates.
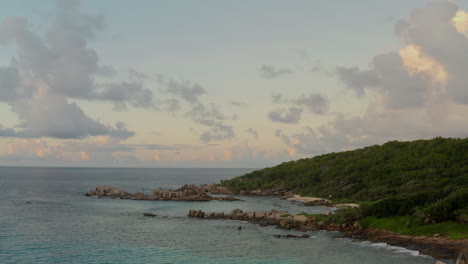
(44, 218)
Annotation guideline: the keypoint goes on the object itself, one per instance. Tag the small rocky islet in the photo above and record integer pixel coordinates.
(188, 192)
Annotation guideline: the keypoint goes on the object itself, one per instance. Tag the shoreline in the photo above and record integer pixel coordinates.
(317, 201)
(436, 247)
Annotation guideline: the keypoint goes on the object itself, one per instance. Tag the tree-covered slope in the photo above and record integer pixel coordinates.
(402, 176)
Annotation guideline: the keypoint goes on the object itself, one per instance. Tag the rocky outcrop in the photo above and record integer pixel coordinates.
(216, 189)
(437, 247)
(320, 202)
(111, 191)
(195, 213)
(274, 217)
(185, 193)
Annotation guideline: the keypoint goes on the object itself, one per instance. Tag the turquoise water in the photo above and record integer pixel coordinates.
(44, 218)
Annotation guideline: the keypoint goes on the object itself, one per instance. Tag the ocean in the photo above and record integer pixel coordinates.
(45, 218)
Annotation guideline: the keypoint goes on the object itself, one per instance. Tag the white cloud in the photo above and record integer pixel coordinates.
(49, 70)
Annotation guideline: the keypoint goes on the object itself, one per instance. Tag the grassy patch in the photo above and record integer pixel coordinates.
(305, 214)
(319, 217)
(286, 215)
(410, 225)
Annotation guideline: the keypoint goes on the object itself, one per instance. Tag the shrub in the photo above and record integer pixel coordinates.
(347, 215)
(447, 208)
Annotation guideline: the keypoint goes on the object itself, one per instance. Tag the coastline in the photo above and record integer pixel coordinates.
(316, 201)
(437, 247)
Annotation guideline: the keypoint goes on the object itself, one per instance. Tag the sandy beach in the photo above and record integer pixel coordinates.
(305, 199)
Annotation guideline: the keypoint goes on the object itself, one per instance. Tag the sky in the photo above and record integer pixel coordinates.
(211, 83)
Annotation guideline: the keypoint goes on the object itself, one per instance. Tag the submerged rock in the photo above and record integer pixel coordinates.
(292, 236)
(195, 213)
(149, 214)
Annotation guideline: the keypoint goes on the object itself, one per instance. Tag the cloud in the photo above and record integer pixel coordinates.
(291, 115)
(305, 143)
(242, 152)
(7, 132)
(278, 98)
(9, 83)
(217, 132)
(171, 105)
(49, 70)
(47, 115)
(207, 115)
(238, 103)
(124, 93)
(316, 103)
(428, 69)
(212, 118)
(136, 75)
(252, 132)
(190, 92)
(102, 151)
(416, 92)
(356, 79)
(318, 141)
(270, 72)
(30, 149)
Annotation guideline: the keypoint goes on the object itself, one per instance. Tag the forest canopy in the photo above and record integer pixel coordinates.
(426, 177)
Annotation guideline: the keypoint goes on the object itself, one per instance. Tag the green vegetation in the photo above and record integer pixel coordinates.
(410, 225)
(425, 180)
(319, 217)
(286, 215)
(306, 214)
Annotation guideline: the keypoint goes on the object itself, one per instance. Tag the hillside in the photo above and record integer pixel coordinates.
(426, 177)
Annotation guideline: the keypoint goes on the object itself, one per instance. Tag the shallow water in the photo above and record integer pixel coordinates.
(44, 218)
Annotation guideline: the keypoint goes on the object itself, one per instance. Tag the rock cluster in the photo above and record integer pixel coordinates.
(111, 191)
(280, 219)
(185, 193)
(216, 189)
(196, 213)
